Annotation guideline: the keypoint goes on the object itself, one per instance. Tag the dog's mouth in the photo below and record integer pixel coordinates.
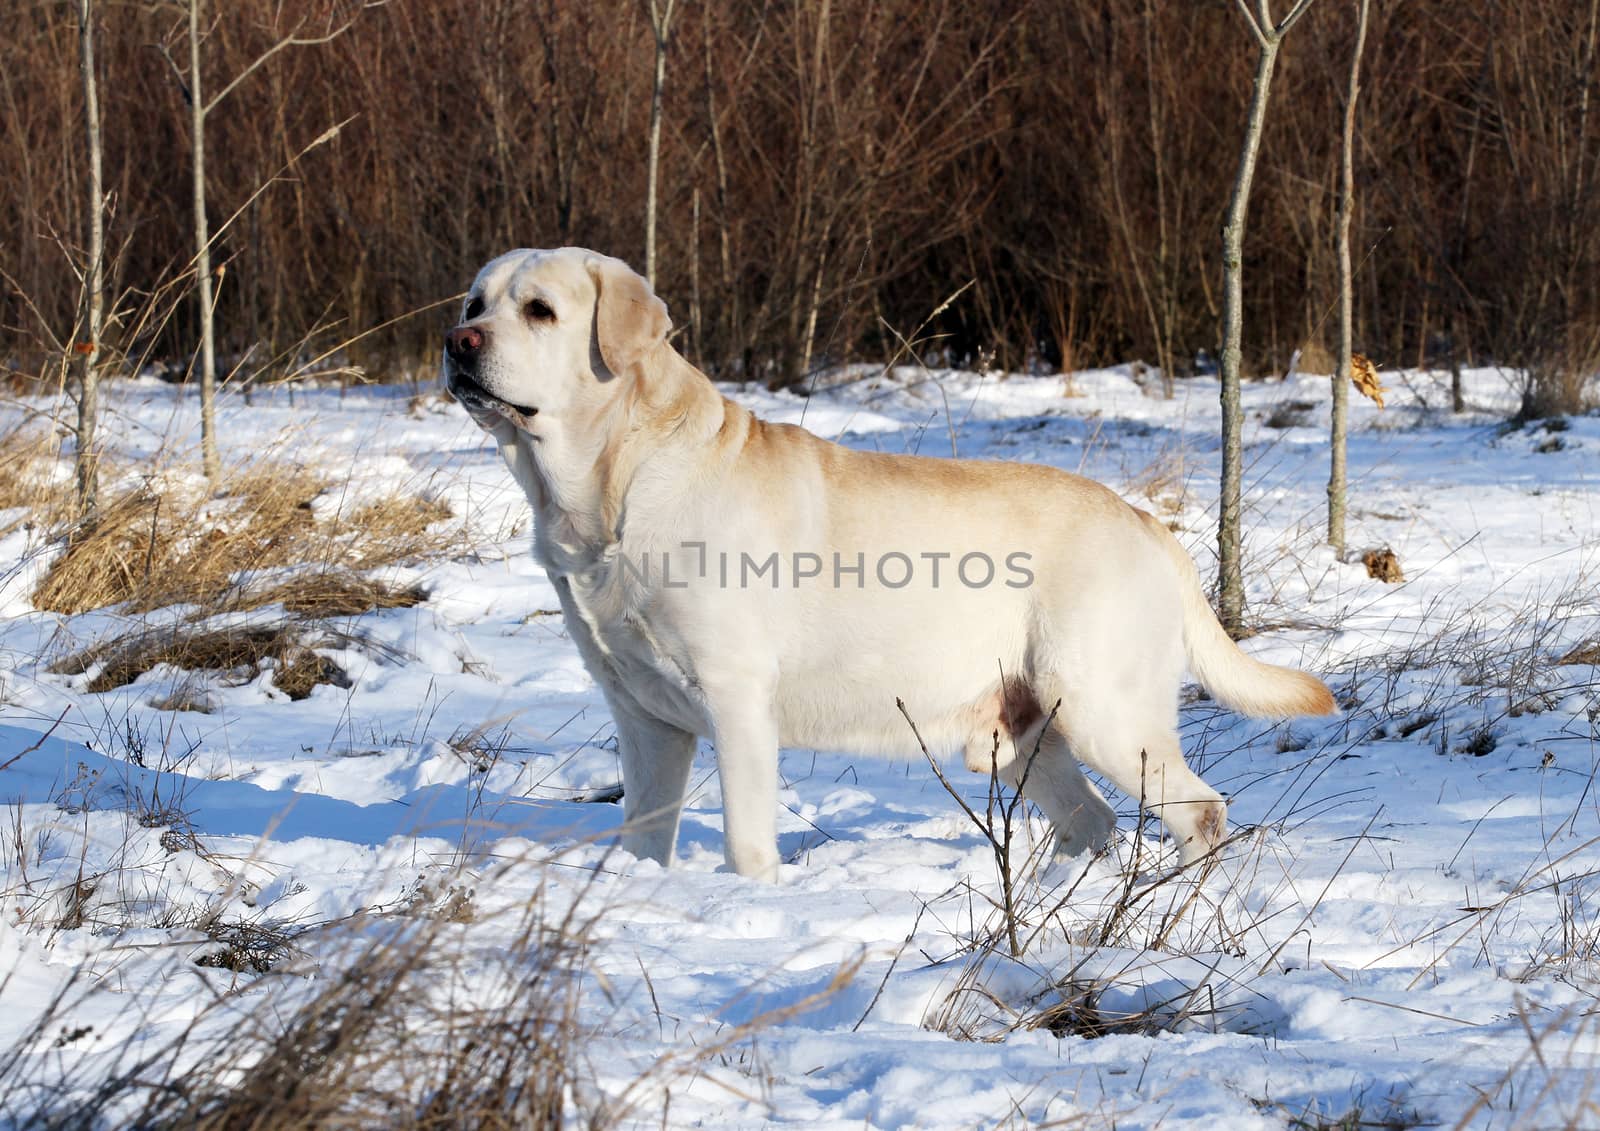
(465, 388)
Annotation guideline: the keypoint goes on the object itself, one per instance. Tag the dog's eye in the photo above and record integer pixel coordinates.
(474, 308)
(537, 310)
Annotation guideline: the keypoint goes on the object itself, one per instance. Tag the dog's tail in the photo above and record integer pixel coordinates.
(1233, 678)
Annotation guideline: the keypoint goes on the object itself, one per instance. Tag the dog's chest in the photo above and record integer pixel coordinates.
(637, 663)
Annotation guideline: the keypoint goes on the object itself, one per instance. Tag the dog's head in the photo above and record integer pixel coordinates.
(551, 335)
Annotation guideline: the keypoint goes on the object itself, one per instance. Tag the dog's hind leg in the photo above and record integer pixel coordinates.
(1145, 761)
(1052, 780)
(1125, 729)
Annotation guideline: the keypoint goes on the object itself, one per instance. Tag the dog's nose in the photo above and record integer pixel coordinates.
(463, 343)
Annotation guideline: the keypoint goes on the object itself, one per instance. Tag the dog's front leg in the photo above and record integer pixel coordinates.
(747, 762)
(655, 771)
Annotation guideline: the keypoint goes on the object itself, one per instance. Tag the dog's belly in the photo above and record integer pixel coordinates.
(841, 667)
(840, 692)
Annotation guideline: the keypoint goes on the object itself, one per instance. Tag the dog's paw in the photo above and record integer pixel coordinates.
(1088, 835)
(1210, 832)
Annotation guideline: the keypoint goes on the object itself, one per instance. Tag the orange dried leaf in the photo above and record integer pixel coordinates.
(1364, 375)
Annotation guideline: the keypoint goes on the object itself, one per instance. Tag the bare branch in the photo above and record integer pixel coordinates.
(287, 41)
(183, 80)
(1264, 15)
(1294, 15)
(43, 738)
(1249, 18)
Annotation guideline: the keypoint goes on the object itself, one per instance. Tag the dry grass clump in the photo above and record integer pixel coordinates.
(1586, 653)
(387, 1034)
(184, 547)
(149, 548)
(430, 897)
(403, 516)
(244, 946)
(329, 593)
(425, 1014)
(397, 528)
(408, 1017)
(1163, 482)
(241, 651)
(262, 538)
(30, 487)
(1027, 966)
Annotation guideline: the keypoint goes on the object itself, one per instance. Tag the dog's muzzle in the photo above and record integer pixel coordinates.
(463, 346)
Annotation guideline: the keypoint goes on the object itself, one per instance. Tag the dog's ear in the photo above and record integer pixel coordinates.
(629, 320)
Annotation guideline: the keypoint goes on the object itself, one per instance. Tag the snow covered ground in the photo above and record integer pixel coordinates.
(1406, 930)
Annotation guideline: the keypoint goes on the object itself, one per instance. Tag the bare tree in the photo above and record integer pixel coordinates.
(729, 309)
(660, 12)
(200, 109)
(1269, 38)
(88, 477)
(210, 461)
(1341, 376)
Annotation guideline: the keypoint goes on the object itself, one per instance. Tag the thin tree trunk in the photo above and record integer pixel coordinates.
(732, 342)
(199, 110)
(88, 476)
(1230, 565)
(552, 118)
(1341, 376)
(1164, 355)
(661, 28)
(790, 369)
(210, 461)
(812, 307)
(1125, 228)
(695, 328)
(1230, 578)
(1458, 398)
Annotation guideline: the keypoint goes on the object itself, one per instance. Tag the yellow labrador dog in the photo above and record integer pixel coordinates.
(749, 582)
